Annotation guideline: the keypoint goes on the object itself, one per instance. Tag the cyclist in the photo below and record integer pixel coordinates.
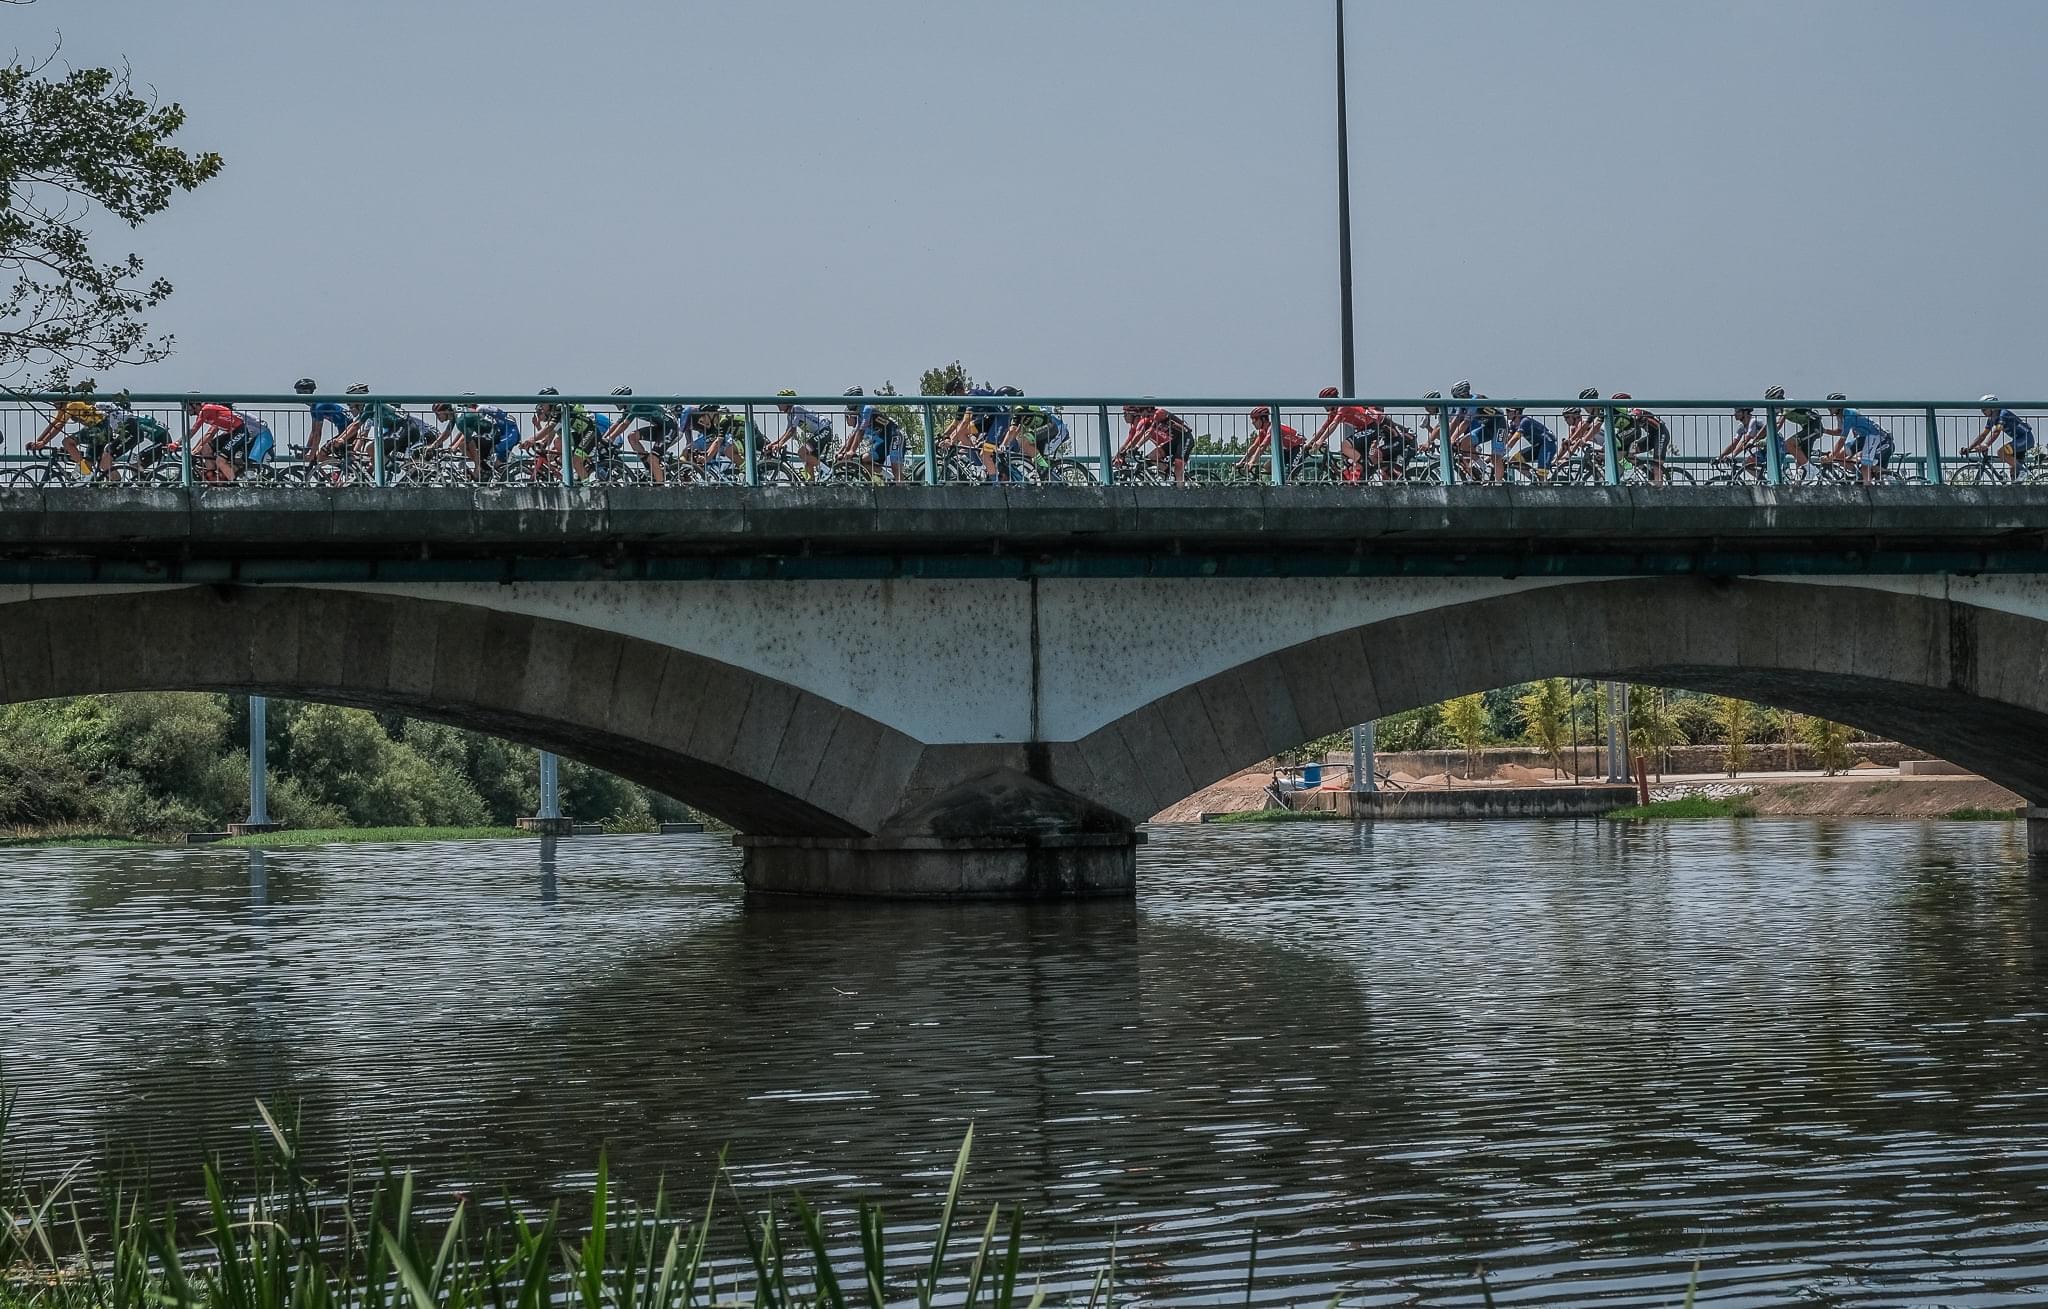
(1041, 431)
(1746, 446)
(2018, 434)
(1643, 436)
(1172, 440)
(1432, 427)
(883, 437)
(213, 430)
(1254, 457)
(638, 419)
(470, 431)
(91, 420)
(1583, 428)
(1527, 436)
(1355, 426)
(326, 413)
(398, 431)
(1859, 438)
(713, 436)
(1010, 440)
(811, 432)
(1805, 431)
(587, 443)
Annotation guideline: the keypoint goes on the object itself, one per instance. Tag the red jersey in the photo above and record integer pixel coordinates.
(1289, 438)
(220, 416)
(1357, 418)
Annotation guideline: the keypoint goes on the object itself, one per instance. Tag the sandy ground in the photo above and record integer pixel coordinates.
(1859, 793)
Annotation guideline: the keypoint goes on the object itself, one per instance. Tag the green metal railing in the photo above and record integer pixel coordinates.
(1928, 439)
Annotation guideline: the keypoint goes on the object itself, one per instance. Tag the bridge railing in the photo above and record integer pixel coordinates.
(398, 440)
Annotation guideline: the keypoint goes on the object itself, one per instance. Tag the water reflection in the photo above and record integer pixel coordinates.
(1571, 1051)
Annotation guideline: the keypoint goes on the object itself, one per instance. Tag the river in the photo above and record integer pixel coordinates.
(1578, 1054)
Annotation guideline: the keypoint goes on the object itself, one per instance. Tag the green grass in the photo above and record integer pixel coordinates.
(1276, 816)
(1969, 815)
(1692, 806)
(341, 835)
(75, 841)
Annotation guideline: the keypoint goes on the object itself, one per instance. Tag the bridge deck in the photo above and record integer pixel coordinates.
(250, 534)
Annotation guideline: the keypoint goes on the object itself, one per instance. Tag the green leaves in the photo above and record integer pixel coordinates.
(74, 149)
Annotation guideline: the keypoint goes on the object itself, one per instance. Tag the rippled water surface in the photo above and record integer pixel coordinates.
(1579, 1055)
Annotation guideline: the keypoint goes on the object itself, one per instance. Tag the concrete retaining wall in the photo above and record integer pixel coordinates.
(1763, 757)
(1478, 802)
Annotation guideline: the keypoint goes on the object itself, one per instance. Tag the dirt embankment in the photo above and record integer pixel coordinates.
(1859, 793)
(1880, 795)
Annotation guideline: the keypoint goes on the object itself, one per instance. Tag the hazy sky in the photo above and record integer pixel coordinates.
(1083, 195)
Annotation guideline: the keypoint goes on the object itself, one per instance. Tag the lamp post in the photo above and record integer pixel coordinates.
(1362, 766)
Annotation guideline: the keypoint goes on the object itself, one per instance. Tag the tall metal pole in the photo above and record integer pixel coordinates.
(1344, 212)
(259, 761)
(1362, 766)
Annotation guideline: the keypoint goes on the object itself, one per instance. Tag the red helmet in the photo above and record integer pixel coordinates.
(1621, 395)
(1261, 414)
(1329, 393)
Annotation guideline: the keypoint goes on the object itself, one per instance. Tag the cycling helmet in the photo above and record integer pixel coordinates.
(121, 399)
(305, 386)
(1328, 393)
(1434, 395)
(1837, 398)
(1461, 390)
(622, 390)
(549, 390)
(359, 388)
(785, 391)
(706, 410)
(1774, 393)
(1009, 391)
(853, 390)
(1590, 393)
(1261, 414)
(1987, 400)
(1621, 395)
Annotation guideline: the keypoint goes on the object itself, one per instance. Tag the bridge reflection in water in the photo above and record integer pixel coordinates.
(1566, 1051)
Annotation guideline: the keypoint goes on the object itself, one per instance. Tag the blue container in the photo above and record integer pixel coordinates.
(1311, 776)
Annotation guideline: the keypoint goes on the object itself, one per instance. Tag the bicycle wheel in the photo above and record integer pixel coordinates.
(1071, 472)
(1674, 475)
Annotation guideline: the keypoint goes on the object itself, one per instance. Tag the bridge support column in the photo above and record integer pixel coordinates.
(1050, 867)
(2036, 819)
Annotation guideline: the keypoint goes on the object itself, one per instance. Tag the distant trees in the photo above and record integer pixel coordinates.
(1546, 712)
(1828, 742)
(1467, 719)
(165, 763)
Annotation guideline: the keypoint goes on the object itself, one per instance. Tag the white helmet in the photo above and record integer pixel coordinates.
(1987, 400)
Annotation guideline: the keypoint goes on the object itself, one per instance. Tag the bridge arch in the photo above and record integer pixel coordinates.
(1965, 681)
(759, 754)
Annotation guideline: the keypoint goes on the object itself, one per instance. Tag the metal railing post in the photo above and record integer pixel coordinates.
(1934, 474)
(1445, 468)
(377, 469)
(1612, 457)
(1774, 459)
(747, 448)
(566, 474)
(931, 444)
(1273, 443)
(185, 452)
(1104, 455)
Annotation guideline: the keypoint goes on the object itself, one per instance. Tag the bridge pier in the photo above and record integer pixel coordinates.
(2036, 819)
(1068, 866)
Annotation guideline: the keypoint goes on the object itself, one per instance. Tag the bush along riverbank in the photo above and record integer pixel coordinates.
(284, 1242)
(1691, 806)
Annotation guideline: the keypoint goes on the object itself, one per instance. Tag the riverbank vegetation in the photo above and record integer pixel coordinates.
(161, 764)
(1556, 714)
(295, 837)
(1690, 806)
(1273, 816)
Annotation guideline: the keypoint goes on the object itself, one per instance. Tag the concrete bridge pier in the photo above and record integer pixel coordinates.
(2036, 819)
(999, 834)
(1057, 866)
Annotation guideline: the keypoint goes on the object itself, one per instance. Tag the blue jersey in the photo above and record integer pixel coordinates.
(1542, 442)
(1856, 428)
(884, 433)
(327, 411)
(2015, 427)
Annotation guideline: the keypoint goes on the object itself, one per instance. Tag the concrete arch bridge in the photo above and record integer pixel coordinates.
(911, 691)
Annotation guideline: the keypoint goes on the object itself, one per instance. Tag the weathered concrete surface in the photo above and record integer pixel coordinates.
(933, 868)
(1476, 802)
(631, 522)
(2036, 818)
